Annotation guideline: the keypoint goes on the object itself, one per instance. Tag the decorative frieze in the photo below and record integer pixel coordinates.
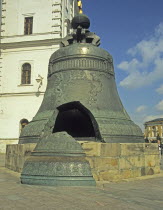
(83, 63)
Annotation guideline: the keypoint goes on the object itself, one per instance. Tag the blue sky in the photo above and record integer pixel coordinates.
(132, 32)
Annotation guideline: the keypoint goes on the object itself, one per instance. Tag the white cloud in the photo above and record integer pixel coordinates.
(159, 106)
(160, 89)
(146, 66)
(141, 108)
(129, 66)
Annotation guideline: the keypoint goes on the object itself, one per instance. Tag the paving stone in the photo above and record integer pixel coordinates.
(131, 194)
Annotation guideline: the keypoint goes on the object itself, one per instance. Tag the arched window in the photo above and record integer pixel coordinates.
(23, 123)
(26, 74)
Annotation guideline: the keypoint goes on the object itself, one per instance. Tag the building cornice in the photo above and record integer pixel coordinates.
(9, 139)
(22, 94)
(29, 35)
(154, 124)
(36, 43)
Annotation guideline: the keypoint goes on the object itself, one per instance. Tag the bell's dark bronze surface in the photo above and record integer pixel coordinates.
(57, 160)
(81, 96)
(81, 21)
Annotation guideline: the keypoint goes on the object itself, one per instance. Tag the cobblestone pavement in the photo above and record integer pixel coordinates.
(139, 194)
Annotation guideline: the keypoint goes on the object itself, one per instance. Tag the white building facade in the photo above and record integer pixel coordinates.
(30, 32)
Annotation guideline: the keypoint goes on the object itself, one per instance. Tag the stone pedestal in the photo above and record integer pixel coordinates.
(108, 161)
(117, 161)
(16, 155)
(4, 142)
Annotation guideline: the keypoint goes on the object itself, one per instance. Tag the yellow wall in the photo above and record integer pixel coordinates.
(153, 129)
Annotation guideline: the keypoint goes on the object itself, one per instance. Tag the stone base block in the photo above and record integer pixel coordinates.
(117, 161)
(108, 161)
(16, 155)
(4, 142)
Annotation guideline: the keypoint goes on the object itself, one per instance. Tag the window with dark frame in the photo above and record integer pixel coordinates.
(68, 26)
(28, 25)
(26, 74)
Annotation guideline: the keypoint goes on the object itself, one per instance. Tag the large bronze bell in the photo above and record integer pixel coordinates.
(80, 103)
(81, 96)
